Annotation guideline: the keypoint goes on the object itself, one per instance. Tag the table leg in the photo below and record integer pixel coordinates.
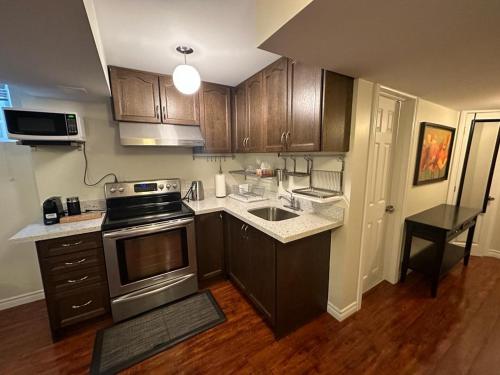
(468, 244)
(436, 272)
(406, 251)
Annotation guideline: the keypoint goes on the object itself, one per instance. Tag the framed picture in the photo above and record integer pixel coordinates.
(435, 143)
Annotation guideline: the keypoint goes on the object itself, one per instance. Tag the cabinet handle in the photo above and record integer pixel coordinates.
(71, 244)
(220, 216)
(75, 262)
(164, 113)
(77, 280)
(157, 109)
(75, 307)
(286, 138)
(246, 228)
(248, 139)
(282, 139)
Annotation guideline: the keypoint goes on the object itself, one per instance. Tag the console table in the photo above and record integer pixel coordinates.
(439, 225)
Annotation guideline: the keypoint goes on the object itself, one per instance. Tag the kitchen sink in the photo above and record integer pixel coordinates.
(272, 213)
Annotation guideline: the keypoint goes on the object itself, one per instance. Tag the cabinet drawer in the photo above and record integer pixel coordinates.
(73, 261)
(68, 281)
(70, 244)
(81, 305)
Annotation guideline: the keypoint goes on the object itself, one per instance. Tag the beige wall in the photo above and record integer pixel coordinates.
(59, 170)
(422, 197)
(19, 273)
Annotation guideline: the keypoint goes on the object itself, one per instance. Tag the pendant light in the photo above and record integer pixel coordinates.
(186, 77)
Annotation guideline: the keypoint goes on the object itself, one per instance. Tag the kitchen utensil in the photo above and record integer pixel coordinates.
(197, 193)
(73, 205)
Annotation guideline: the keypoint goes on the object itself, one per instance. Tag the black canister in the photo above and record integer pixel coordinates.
(73, 204)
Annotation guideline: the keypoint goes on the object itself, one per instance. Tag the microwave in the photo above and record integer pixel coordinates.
(33, 126)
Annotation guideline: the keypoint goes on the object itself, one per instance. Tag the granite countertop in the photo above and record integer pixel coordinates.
(310, 221)
(39, 231)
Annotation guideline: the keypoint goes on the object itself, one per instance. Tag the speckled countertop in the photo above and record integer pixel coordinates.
(314, 219)
(39, 231)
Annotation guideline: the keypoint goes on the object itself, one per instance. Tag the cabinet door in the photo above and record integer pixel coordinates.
(176, 107)
(215, 117)
(239, 118)
(262, 288)
(135, 95)
(275, 105)
(337, 107)
(239, 259)
(209, 245)
(255, 113)
(304, 117)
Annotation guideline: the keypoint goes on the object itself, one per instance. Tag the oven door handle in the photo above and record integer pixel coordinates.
(147, 229)
(153, 289)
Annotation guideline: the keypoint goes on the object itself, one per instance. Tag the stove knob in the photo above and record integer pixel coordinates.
(174, 186)
(112, 190)
(168, 186)
(121, 190)
(161, 186)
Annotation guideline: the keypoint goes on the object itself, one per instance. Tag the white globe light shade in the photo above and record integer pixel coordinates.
(186, 79)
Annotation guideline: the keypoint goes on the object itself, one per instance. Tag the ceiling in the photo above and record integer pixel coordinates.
(446, 51)
(143, 35)
(47, 49)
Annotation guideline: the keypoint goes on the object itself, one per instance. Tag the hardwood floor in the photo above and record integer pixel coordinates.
(400, 330)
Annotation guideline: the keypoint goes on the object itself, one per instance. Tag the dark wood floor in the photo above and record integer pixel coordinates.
(400, 330)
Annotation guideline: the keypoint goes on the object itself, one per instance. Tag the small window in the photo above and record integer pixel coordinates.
(4, 102)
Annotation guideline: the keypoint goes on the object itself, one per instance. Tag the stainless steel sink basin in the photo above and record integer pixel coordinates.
(272, 213)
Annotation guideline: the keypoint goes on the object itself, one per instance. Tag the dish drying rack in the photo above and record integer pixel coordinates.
(253, 194)
(323, 184)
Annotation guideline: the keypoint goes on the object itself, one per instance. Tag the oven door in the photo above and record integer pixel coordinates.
(146, 255)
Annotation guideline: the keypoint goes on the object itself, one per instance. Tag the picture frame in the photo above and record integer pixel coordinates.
(435, 146)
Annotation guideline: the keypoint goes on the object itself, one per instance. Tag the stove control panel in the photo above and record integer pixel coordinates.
(138, 188)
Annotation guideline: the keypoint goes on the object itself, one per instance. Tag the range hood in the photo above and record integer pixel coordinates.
(141, 134)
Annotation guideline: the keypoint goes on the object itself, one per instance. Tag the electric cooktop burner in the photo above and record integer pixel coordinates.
(136, 203)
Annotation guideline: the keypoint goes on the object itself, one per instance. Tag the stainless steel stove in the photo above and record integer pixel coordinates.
(149, 245)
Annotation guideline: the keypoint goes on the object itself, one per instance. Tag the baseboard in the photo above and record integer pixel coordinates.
(21, 299)
(493, 253)
(341, 314)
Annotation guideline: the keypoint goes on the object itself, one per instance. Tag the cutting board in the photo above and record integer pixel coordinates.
(85, 216)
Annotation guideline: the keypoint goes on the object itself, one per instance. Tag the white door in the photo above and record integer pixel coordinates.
(378, 190)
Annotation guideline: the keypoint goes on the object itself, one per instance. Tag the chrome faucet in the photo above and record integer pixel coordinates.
(294, 203)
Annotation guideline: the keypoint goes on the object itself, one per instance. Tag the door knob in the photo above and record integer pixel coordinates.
(390, 209)
(490, 199)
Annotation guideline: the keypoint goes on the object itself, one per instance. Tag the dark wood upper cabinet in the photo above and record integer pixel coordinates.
(209, 245)
(239, 125)
(337, 109)
(275, 104)
(304, 108)
(176, 107)
(215, 117)
(254, 103)
(136, 95)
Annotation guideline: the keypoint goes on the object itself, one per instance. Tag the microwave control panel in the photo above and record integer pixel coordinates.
(71, 124)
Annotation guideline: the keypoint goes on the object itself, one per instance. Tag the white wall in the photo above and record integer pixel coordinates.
(346, 241)
(420, 198)
(19, 272)
(59, 170)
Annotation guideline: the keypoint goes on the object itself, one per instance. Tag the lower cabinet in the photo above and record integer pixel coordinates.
(210, 245)
(286, 283)
(74, 279)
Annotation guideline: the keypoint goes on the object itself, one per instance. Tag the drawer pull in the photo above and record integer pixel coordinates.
(78, 280)
(75, 262)
(75, 307)
(72, 244)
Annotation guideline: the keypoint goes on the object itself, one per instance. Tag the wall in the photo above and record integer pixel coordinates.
(346, 241)
(422, 197)
(20, 280)
(59, 170)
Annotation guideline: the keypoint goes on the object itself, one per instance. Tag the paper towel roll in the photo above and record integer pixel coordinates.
(220, 185)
